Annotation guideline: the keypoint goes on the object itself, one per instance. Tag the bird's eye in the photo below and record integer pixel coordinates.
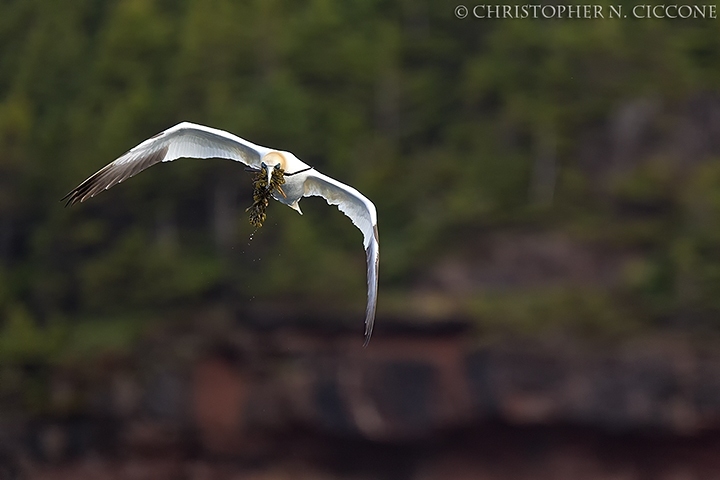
(277, 166)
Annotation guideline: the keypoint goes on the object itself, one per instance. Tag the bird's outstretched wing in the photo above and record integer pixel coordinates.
(183, 140)
(363, 214)
(198, 141)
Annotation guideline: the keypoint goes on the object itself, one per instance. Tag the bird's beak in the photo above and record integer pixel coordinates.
(269, 169)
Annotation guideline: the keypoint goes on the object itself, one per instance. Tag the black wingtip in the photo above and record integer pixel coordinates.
(70, 199)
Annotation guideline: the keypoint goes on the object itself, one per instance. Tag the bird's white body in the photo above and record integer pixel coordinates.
(188, 140)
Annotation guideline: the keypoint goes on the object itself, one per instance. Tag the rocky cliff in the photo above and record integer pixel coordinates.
(286, 404)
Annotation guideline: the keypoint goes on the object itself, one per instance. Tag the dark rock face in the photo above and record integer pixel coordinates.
(411, 389)
(330, 408)
(479, 373)
(406, 407)
(404, 393)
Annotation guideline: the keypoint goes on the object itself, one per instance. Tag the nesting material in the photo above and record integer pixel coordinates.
(262, 193)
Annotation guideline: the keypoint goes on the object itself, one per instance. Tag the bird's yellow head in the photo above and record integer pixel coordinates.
(273, 161)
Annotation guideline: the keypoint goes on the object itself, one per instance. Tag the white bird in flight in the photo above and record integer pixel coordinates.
(189, 140)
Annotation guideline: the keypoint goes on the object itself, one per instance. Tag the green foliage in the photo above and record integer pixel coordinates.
(22, 340)
(587, 313)
(447, 125)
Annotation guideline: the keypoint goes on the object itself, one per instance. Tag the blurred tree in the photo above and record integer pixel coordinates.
(453, 127)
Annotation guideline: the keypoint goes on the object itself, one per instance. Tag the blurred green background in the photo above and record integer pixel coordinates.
(531, 176)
